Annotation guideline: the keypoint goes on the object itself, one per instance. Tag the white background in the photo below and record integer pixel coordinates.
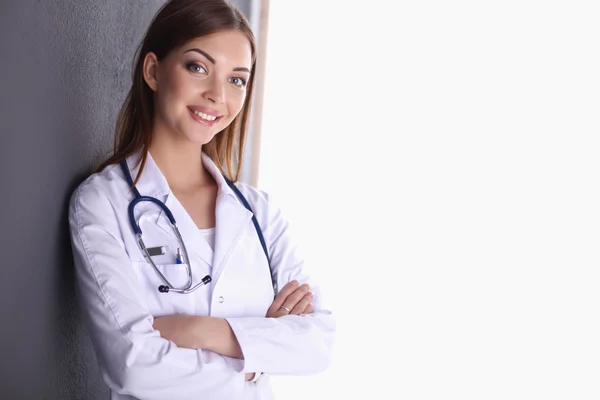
(440, 164)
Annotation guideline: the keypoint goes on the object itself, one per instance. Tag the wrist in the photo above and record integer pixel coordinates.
(219, 337)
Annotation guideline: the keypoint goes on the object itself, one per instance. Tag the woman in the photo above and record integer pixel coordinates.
(216, 327)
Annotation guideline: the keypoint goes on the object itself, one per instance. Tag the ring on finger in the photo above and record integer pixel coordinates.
(286, 309)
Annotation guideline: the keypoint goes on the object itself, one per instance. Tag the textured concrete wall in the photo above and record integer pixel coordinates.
(64, 72)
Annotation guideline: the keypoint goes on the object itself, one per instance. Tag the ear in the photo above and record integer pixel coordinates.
(150, 70)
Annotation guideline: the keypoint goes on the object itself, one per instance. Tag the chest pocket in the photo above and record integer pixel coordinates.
(158, 303)
(177, 275)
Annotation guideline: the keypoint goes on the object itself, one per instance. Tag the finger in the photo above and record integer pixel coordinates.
(302, 304)
(283, 294)
(295, 297)
(309, 309)
(288, 289)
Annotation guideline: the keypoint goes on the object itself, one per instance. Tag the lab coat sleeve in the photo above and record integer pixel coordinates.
(133, 358)
(291, 344)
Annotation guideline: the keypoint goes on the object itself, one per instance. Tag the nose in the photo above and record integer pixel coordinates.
(215, 92)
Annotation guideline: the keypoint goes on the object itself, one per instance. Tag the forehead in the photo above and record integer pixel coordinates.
(230, 48)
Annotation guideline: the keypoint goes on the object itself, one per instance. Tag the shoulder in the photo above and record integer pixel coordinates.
(261, 203)
(267, 210)
(98, 191)
(256, 197)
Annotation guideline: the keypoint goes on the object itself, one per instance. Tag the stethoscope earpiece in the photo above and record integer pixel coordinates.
(207, 279)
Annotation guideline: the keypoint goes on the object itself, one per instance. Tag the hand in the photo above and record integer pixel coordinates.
(250, 376)
(296, 299)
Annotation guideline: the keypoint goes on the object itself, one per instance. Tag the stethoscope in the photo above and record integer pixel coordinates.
(188, 288)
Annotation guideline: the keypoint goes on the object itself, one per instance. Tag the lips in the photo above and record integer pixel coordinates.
(205, 110)
(204, 115)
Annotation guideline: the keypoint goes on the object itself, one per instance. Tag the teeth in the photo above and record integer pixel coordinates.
(204, 116)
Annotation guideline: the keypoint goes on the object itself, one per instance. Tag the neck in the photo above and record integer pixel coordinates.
(180, 163)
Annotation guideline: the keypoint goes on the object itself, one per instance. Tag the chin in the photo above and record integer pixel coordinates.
(199, 141)
(203, 137)
(206, 136)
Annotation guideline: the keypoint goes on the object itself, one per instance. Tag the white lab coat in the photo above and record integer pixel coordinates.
(120, 299)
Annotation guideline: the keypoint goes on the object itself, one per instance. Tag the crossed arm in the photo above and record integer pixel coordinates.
(215, 334)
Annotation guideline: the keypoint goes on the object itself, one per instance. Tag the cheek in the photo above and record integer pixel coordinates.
(171, 92)
(236, 102)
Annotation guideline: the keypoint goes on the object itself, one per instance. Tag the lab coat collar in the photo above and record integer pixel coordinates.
(153, 182)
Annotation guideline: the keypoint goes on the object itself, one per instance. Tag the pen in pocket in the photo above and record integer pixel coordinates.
(179, 258)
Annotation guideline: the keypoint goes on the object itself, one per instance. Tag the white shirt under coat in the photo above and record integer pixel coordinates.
(120, 299)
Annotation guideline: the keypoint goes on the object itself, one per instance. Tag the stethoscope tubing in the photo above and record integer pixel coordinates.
(188, 288)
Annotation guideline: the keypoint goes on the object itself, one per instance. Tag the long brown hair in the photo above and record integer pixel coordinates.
(176, 23)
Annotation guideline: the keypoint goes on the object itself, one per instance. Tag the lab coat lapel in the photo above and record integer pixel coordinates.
(194, 242)
(153, 183)
(232, 219)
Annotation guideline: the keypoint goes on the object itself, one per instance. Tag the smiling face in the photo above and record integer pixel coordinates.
(200, 87)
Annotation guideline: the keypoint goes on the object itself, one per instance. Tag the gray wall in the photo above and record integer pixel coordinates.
(64, 71)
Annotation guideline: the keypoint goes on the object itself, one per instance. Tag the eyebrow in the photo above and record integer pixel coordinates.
(212, 60)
